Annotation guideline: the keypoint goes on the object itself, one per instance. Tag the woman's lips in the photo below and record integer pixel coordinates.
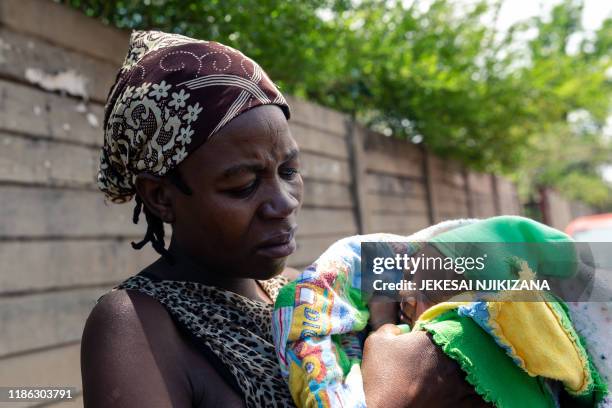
(281, 250)
(278, 246)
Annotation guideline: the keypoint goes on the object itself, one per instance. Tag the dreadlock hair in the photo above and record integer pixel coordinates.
(155, 226)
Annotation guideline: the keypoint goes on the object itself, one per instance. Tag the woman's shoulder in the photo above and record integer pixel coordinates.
(123, 310)
(126, 307)
(130, 345)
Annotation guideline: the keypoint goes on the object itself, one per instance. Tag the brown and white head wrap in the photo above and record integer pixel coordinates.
(172, 94)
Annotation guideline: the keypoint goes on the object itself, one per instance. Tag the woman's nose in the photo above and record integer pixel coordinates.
(281, 203)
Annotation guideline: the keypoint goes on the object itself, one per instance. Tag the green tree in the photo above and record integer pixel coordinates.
(571, 100)
(441, 74)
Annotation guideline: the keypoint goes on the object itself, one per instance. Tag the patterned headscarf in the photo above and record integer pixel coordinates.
(172, 94)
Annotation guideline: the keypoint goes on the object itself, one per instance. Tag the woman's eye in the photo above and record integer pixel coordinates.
(289, 172)
(244, 191)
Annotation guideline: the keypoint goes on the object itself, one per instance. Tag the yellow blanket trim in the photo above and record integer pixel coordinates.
(436, 311)
(535, 335)
(538, 340)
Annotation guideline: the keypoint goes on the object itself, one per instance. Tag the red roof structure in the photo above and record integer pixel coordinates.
(589, 222)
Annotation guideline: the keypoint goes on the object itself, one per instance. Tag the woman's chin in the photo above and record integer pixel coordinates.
(273, 267)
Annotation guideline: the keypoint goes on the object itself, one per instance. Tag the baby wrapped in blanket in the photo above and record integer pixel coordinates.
(509, 351)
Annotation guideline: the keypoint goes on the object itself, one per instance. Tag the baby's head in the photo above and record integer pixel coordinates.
(415, 302)
(507, 247)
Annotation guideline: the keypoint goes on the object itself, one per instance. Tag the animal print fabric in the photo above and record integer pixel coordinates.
(235, 328)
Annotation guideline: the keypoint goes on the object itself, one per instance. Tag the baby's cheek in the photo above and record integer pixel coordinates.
(382, 312)
(421, 307)
(413, 306)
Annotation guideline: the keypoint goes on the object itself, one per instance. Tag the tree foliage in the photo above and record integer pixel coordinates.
(438, 72)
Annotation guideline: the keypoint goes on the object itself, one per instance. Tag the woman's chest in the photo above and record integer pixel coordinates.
(209, 387)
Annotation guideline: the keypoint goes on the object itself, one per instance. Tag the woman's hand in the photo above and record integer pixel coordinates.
(409, 370)
(385, 377)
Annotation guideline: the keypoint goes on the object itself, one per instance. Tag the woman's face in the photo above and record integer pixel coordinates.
(241, 219)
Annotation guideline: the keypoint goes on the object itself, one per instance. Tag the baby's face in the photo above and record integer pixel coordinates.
(382, 312)
(413, 304)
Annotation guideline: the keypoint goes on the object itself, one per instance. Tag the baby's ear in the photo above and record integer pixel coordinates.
(408, 308)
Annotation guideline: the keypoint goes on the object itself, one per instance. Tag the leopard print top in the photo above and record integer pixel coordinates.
(236, 329)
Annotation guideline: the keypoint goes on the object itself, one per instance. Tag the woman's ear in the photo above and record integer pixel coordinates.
(156, 194)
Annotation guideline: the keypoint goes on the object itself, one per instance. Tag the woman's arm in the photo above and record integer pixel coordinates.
(129, 355)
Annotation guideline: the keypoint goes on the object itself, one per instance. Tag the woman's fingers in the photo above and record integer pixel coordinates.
(388, 330)
(392, 330)
(403, 328)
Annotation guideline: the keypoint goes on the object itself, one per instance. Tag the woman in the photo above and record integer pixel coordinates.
(198, 134)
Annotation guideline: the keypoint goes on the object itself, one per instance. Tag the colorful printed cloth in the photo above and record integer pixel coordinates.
(317, 317)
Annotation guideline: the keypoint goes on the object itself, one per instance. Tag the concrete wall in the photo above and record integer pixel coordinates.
(61, 246)
(558, 212)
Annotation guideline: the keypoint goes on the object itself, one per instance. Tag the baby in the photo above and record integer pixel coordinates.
(319, 319)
